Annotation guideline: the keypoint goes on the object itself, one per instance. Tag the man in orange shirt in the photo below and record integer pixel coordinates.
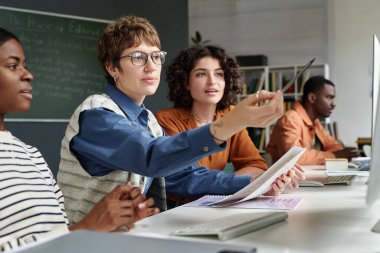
(300, 126)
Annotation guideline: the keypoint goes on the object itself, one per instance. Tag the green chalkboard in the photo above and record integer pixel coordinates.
(61, 54)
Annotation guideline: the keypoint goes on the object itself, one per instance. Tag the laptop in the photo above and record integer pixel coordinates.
(99, 242)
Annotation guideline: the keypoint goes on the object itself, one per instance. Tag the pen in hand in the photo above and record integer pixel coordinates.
(290, 83)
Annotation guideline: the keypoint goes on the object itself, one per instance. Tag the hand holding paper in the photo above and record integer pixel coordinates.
(290, 180)
(263, 183)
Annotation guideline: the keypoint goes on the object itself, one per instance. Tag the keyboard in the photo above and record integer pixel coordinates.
(329, 180)
(234, 225)
(346, 180)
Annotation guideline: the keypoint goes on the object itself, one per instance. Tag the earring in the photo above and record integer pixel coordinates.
(115, 78)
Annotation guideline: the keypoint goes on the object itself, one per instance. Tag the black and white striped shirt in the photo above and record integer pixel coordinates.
(31, 203)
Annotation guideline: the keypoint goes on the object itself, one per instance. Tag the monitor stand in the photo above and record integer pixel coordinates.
(376, 228)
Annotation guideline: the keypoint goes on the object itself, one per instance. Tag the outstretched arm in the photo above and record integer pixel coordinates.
(248, 114)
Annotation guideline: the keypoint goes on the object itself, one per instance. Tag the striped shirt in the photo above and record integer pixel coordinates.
(31, 203)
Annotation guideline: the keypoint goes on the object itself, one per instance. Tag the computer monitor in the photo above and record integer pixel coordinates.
(375, 80)
(373, 192)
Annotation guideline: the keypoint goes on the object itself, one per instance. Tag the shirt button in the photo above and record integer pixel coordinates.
(205, 148)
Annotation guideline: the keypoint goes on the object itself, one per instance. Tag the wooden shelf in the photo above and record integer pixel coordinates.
(273, 78)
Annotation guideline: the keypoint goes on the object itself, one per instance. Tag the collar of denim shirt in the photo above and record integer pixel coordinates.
(126, 104)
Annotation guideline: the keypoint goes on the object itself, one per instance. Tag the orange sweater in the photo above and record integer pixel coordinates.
(296, 129)
(240, 149)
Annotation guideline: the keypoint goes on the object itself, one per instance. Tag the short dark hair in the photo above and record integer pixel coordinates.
(178, 72)
(314, 85)
(6, 35)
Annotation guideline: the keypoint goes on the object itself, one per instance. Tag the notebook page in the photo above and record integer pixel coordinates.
(266, 202)
(263, 202)
(207, 200)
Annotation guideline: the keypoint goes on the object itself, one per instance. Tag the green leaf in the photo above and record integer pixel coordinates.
(198, 36)
(194, 40)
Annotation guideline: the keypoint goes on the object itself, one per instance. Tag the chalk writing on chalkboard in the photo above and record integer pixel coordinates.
(61, 54)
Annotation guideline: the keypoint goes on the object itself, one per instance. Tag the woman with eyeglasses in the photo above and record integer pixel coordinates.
(113, 139)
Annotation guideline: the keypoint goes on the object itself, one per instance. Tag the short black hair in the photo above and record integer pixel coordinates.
(6, 35)
(314, 85)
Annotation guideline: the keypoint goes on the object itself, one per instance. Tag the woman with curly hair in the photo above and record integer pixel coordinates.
(203, 84)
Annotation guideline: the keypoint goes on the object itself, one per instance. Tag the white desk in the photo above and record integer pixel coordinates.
(330, 219)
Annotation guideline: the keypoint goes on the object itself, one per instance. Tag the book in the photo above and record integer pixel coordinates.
(272, 81)
(262, 141)
(252, 86)
(244, 89)
(306, 75)
(263, 183)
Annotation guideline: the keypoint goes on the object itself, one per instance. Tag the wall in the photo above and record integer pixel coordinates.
(169, 17)
(351, 26)
(337, 32)
(287, 31)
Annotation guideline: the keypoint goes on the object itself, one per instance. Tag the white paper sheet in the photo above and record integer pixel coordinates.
(263, 183)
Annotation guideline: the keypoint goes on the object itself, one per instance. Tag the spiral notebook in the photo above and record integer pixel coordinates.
(263, 202)
(263, 183)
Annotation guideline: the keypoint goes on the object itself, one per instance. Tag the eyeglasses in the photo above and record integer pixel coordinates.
(139, 58)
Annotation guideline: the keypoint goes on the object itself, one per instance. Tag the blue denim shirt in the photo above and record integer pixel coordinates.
(108, 141)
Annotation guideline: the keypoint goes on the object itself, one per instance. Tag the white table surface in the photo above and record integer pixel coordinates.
(330, 219)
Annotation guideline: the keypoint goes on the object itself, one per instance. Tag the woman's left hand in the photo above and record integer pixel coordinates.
(289, 179)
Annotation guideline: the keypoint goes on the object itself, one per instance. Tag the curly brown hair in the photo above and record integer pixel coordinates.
(178, 73)
(125, 32)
